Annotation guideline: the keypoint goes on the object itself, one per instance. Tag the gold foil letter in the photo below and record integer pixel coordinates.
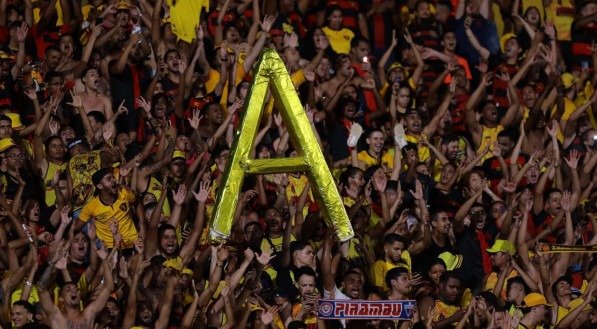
(271, 72)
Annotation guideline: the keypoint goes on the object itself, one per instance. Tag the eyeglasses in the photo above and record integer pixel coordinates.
(16, 156)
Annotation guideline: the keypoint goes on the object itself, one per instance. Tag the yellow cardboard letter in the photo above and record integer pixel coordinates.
(271, 73)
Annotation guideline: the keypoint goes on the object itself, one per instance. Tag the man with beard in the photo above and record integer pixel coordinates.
(110, 207)
(398, 279)
(447, 306)
(428, 249)
(501, 253)
(535, 311)
(70, 315)
(395, 254)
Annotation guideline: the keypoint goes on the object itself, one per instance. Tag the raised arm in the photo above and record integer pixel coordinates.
(189, 248)
(470, 117)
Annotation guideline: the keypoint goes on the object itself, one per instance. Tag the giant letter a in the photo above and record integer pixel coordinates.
(272, 73)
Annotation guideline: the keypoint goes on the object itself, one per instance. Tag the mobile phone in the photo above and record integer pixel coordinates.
(365, 59)
(99, 21)
(585, 65)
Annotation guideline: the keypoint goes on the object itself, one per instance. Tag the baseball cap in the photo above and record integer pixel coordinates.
(15, 120)
(178, 155)
(97, 177)
(568, 80)
(504, 39)
(452, 261)
(6, 143)
(396, 65)
(503, 246)
(122, 5)
(535, 299)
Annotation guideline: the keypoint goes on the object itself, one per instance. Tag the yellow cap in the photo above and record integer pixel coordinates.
(122, 5)
(178, 154)
(452, 261)
(6, 143)
(397, 65)
(505, 39)
(568, 80)
(535, 299)
(502, 246)
(15, 119)
(187, 271)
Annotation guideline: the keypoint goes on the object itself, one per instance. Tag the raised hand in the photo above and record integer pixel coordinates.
(482, 67)
(268, 317)
(487, 79)
(265, 257)
(64, 217)
(566, 201)
(550, 30)
(142, 103)
(195, 119)
(291, 40)
(31, 94)
(179, 196)
(572, 161)
(505, 76)
(267, 23)
(418, 192)
(552, 129)
(77, 100)
(238, 103)
(203, 193)
(22, 32)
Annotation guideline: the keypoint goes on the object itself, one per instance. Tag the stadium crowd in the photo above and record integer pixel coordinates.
(461, 135)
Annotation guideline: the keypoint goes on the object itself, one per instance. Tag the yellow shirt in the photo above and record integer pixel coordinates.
(386, 160)
(53, 168)
(214, 77)
(103, 214)
(381, 267)
(155, 187)
(276, 243)
(488, 137)
(492, 281)
(339, 40)
(563, 311)
(424, 153)
(444, 310)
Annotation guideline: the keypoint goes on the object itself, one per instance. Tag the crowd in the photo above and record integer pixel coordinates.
(461, 135)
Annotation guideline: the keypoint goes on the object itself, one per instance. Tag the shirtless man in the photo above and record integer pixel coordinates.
(92, 99)
(70, 315)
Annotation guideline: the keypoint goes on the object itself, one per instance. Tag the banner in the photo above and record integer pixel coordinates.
(366, 309)
(556, 248)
